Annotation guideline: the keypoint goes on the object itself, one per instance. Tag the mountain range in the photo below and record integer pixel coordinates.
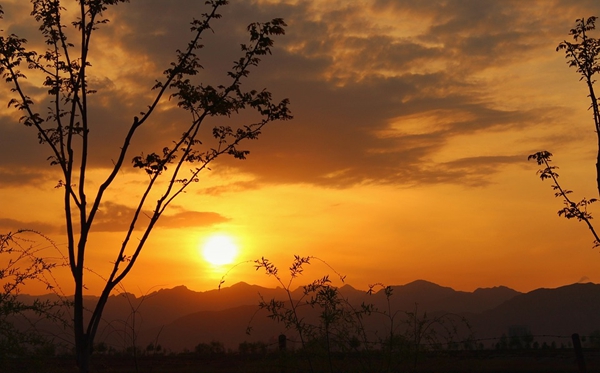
(179, 318)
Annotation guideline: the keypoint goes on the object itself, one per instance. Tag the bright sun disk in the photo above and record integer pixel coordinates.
(219, 250)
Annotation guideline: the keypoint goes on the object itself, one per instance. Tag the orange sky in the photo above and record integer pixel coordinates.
(406, 158)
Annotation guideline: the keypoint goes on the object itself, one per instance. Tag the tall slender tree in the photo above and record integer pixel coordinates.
(583, 54)
(69, 127)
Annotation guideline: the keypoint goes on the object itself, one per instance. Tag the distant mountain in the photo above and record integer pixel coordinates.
(562, 311)
(180, 318)
(225, 314)
(166, 305)
(431, 297)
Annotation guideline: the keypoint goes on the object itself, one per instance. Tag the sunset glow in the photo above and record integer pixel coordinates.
(219, 250)
(406, 158)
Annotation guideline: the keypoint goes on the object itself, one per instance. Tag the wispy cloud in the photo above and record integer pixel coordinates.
(353, 71)
(114, 217)
(12, 225)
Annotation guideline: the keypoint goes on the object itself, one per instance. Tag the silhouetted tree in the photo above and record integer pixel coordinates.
(68, 128)
(252, 348)
(212, 349)
(515, 342)
(595, 339)
(319, 295)
(21, 261)
(502, 344)
(583, 54)
(528, 340)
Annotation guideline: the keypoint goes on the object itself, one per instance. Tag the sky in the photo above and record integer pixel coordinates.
(406, 158)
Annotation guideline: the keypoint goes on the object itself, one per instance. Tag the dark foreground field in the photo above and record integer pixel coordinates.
(460, 361)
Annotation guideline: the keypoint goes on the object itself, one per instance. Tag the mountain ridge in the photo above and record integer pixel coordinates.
(181, 318)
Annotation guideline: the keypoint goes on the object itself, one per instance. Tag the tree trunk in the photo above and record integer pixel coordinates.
(596, 110)
(598, 168)
(84, 353)
(82, 345)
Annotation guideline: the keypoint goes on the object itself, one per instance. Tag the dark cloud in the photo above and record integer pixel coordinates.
(113, 217)
(12, 225)
(347, 150)
(349, 77)
(473, 170)
(20, 177)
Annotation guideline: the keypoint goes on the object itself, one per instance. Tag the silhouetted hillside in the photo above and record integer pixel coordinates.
(435, 298)
(226, 326)
(561, 311)
(180, 318)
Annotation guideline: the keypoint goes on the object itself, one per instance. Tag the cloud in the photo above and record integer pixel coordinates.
(25, 176)
(356, 145)
(356, 74)
(114, 217)
(475, 171)
(191, 219)
(237, 186)
(12, 225)
(349, 88)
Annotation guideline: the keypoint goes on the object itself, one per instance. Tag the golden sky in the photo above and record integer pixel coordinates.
(406, 158)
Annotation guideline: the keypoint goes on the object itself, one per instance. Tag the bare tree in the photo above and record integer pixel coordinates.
(583, 54)
(68, 128)
(22, 260)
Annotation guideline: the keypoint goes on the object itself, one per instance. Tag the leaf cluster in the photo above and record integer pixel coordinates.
(583, 53)
(572, 210)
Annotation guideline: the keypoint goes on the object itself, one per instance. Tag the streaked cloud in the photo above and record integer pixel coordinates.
(114, 217)
(352, 71)
(12, 225)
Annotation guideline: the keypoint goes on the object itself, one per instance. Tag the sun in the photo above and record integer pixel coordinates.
(219, 249)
